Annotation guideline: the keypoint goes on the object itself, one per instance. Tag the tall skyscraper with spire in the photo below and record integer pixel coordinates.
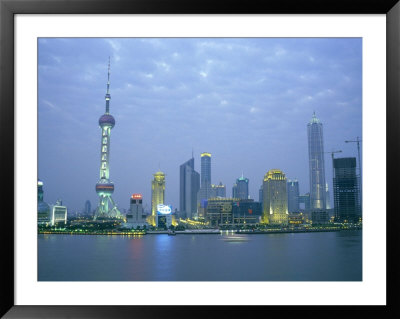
(189, 185)
(316, 164)
(104, 188)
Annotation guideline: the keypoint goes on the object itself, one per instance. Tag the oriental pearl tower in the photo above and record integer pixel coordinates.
(104, 188)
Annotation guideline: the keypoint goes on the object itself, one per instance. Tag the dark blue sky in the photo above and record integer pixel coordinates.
(247, 101)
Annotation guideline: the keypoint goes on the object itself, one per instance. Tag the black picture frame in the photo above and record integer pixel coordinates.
(8, 9)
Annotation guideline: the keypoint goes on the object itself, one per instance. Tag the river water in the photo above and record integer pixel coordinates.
(325, 256)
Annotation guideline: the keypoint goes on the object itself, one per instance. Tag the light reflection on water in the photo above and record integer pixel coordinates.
(217, 257)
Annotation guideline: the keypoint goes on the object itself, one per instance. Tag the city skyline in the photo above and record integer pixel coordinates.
(141, 148)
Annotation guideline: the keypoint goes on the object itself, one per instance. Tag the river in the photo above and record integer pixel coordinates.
(324, 256)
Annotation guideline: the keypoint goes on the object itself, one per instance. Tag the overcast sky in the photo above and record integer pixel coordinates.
(247, 101)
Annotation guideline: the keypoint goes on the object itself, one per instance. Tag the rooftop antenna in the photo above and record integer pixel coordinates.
(108, 96)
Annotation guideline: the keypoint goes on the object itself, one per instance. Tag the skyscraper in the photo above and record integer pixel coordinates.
(205, 185)
(316, 164)
(260, 194)
(345, 190)
(327, 197)
(242, 188)
(88, 208)
(234, 191)
(104, 188)
(275, 202)
(157, 192)
(293, 196)
(189, 185)
(44, 216)
(218, 190)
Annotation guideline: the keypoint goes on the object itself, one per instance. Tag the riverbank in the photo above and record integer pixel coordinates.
(201, 231)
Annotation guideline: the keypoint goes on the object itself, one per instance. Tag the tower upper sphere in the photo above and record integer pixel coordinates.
(107, 120)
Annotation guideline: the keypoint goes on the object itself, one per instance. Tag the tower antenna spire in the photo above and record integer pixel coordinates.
(108, 96)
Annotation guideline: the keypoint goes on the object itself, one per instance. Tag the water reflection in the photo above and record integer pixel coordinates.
(227, 257)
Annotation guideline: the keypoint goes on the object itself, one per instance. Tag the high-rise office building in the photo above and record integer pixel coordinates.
(189, 186)
(242, 188)
(88, 208)
(327, 197)
(293, 196)
(205, 184)
(316, 164)
(104, 188)
(218, 190)
(260, 194)
(157, 192)
(234, 191)
(275, 202)
(345, 190)
(44, 216)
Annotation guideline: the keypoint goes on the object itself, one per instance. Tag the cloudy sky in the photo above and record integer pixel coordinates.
(247, 101)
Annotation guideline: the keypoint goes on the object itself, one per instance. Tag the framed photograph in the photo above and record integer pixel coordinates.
(168, 158)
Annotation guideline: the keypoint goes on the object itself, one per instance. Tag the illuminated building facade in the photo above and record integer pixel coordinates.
(205, 181)
(104, 188)
(189, 185)
(44, 216)
(293, 196)
(275, 205)
(316, 164)
(164, 218)
(58, 213)
(345, 190)
(296, 219)
(157, 192)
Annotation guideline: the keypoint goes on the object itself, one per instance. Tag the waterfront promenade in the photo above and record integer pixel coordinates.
(204, 231)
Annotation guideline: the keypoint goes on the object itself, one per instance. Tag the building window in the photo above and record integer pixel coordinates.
(103, 165)
(105, 140)
(104, 157)
(104, 148)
